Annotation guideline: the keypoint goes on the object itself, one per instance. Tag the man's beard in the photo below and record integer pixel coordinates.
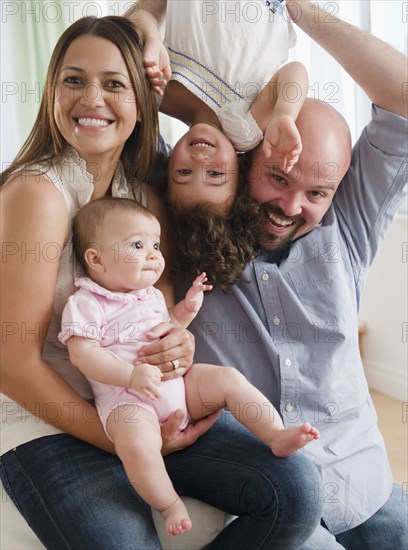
(274, 243)
(278, 246)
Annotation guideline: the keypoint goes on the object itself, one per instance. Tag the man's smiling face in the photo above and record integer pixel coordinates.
(293, 204)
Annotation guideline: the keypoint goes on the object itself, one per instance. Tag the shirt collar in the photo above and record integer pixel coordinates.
(134, 295)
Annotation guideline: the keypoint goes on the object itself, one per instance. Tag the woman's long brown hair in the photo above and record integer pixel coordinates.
(45, 142)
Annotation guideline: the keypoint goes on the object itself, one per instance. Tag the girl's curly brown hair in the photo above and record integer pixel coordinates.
(219, 243)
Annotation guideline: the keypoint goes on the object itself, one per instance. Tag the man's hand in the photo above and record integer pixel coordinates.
(157, 63)
(172, 343)
(175, 439)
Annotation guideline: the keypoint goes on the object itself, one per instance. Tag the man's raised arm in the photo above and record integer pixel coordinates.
(380, 70)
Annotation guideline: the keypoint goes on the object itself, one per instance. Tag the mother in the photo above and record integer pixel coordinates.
(95, 135)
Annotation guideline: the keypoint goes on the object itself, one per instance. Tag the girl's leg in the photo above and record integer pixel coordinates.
(278, 501)
(74, 495)
(138, 445)
(210, 388)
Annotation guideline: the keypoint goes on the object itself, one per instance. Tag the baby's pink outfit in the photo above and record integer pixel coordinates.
(119, 321)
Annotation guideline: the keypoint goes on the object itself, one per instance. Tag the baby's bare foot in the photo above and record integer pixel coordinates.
(177, 518)
(289, 440)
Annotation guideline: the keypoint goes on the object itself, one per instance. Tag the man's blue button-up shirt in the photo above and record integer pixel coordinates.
(292, 328)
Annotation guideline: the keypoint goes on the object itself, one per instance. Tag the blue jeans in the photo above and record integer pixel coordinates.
(74, 495)
(387, 528)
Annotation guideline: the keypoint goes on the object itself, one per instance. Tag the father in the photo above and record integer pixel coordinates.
(291, 324)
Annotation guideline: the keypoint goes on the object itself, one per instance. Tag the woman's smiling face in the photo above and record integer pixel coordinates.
(95, 107)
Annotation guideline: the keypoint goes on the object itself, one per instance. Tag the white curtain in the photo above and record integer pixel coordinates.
(29, 30)
(387, 19)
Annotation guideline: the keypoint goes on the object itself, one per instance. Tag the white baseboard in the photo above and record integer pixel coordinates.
(386, 379)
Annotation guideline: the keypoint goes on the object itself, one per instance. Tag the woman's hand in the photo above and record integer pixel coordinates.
(175, 439)
(172, 353)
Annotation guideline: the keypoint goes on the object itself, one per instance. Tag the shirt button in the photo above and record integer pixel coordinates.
(288, 362)
(276, 321)
(265, 277)
(289, 407)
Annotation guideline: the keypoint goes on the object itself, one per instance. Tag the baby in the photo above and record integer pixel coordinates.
(105, 323)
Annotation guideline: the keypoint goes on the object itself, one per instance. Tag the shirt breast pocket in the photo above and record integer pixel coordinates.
(325, 292)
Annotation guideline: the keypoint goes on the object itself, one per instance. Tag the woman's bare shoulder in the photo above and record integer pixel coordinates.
(29, 201)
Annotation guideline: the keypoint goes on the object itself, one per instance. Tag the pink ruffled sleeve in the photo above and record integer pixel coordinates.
(82, 316)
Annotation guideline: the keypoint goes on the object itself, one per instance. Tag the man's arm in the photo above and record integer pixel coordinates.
(380, 70)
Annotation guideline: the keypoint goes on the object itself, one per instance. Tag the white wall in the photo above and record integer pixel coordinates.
(384, 308)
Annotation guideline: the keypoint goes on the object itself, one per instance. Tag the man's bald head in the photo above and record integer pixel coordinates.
(325, 134)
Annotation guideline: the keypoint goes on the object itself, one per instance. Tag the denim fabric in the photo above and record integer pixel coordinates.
(74, 495)
(388, 528)
(231, 469)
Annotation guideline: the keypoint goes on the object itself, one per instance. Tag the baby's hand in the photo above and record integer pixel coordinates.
(195, 295)
(283, 135)
(146, 379)
(157, 64)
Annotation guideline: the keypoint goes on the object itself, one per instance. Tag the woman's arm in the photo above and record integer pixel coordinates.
(33, 217)
(376, 66)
